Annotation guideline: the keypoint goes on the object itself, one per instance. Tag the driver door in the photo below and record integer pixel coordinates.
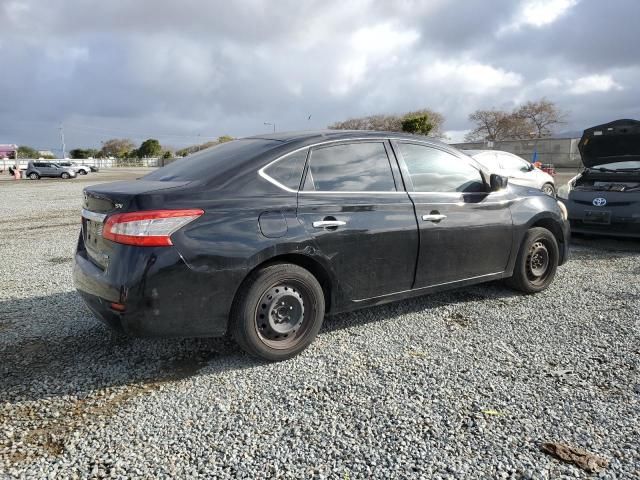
(465, 231)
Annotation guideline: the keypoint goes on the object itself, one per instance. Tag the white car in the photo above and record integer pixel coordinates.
(518, 170)
(79, 168)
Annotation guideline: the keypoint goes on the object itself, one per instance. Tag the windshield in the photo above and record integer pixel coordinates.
(213, 161)
(632, 164)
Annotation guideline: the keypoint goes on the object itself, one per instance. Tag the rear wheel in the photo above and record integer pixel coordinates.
(536, 263)
(278, 312)
(549, 189)
(34, 176)
(65, 175)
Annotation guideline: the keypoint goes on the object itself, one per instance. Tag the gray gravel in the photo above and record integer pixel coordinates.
(462, 384)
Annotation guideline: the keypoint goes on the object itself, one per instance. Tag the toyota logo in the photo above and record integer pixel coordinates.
(599, 202)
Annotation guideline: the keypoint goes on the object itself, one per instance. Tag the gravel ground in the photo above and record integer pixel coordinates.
(462, 384)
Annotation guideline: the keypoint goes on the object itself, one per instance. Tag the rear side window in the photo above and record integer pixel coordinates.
(354, 167)
(434, 170)
(288, 170)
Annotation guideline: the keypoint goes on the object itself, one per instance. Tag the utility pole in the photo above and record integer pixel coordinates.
(271, 124)
(62, 141)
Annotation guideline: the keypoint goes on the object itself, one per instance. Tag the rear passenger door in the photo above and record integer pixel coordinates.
(354, 206)
(465, 231)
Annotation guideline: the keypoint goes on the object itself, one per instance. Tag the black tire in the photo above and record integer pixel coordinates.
(278, 312)
(65, 175)
(536, 263)
(549, 189)
(82, 172)
(34, 176)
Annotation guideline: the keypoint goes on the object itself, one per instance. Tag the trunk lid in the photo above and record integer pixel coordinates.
(617, 141)
(101, 200)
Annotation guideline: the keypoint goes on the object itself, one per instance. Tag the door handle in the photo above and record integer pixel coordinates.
(328, 224)
(434, 217)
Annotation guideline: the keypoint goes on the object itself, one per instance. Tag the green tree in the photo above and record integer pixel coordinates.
(167, 154)
(225, 138)
(392, 123)
(25, 151)
(419, 124)
(117, 147)
(81, 153)
(150, 148)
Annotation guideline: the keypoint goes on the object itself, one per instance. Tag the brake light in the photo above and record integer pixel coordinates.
(149, 228)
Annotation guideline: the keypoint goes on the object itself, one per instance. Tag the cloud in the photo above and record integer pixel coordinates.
(470, 77)
(593, 83)
(189, 71)
(538, 13)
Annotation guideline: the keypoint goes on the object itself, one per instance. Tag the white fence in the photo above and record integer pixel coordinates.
(93, 162)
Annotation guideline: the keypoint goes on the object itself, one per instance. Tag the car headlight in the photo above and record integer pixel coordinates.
(563, 210)
(563, 191)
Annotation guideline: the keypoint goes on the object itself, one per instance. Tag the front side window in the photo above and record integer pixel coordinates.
(354, 167)
(434, 170)
(288, 170)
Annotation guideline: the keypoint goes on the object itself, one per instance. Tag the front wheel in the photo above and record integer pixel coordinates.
(82, 172)
(65, 175)
(536, 263)
(549, 189)
(278, 312)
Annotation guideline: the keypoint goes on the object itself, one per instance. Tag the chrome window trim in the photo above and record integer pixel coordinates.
(273, 181)
(95, 216)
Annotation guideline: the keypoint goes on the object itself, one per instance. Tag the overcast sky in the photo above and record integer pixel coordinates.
(186, 71)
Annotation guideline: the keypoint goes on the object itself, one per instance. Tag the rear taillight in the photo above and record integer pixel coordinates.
(150, 228)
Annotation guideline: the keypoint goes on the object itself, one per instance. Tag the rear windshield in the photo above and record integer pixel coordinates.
(213, 161)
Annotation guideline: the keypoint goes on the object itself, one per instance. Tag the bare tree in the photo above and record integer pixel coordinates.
(495, 125)
(541, 116)
(531, 120)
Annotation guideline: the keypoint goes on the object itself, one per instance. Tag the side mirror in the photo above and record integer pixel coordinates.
(498, 182)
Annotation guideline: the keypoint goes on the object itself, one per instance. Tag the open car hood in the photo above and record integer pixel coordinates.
(617, 141)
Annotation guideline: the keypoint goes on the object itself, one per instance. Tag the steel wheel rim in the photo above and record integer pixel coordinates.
(538, 263)
(283, 314)
(548, 189)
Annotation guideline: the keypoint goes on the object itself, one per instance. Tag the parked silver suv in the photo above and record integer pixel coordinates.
(37, 170)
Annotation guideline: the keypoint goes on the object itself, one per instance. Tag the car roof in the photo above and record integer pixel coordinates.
(476, 152)
(310, 137)
(479, 152)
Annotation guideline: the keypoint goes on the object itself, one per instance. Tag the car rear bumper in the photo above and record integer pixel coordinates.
(161, 295)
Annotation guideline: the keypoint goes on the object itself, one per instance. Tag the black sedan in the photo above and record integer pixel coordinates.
(605, 197)
(263, 236)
